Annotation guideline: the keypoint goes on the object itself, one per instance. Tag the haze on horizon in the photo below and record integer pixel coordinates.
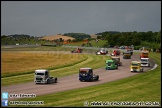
(39, 18)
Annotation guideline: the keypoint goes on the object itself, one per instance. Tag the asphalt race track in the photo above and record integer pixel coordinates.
(72, 81)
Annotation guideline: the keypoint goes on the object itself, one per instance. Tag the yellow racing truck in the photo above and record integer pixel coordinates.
(136, 66)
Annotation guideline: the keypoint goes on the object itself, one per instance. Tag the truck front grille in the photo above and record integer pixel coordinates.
(134, 67)
(39, 78)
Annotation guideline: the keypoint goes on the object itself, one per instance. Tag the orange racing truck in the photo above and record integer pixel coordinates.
(144, 54)
(77, 50)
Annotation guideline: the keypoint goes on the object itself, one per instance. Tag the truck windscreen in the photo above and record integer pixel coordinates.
(39, 73)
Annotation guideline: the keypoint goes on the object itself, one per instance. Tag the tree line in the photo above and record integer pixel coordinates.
(138, 39)
(78, 36)
(21, 39)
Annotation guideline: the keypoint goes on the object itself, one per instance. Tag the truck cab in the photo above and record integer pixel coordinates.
(86, 74)
(145, 62)
(136, 66)
(117, 60)
(130, 50)
(116, 52)
(144, 54)
(102, 51)
(42, 76)
(126, 55)
(110, 65)
(77, 50)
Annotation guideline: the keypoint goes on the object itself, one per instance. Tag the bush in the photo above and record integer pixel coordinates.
(137, 47)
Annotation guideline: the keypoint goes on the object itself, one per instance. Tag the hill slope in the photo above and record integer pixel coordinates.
(52, 37)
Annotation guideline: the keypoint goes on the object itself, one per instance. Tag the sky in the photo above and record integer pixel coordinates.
(43, 18)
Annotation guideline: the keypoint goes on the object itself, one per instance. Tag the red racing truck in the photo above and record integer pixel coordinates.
(144, 54)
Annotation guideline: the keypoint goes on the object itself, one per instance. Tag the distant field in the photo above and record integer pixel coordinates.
(57, 36)
(100, 43)
(35, 48)
(52, 37)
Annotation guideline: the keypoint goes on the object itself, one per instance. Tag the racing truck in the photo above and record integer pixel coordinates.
(126, 55)
(130, 50)
(77, 50)
(136, 66)
(42, 76)
(102, 51)
(115, 52)
(86, 74)
(145, 62)
(117, 60)
(144, 54)
(110, 65)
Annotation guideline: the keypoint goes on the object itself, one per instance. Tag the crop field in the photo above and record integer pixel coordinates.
(19, 62)
(144, 87)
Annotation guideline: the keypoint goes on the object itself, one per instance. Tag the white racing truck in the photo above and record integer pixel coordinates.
(102, 51)
(42, 76)
(145, 62)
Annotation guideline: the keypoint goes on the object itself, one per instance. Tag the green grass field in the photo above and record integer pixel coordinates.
(37, 48)
(100, 43)
(144, 87)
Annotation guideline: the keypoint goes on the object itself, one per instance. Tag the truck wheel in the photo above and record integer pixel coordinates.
(55, 80)
(48, 81)
(97, 78)
(141, 70)
(91, 79)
